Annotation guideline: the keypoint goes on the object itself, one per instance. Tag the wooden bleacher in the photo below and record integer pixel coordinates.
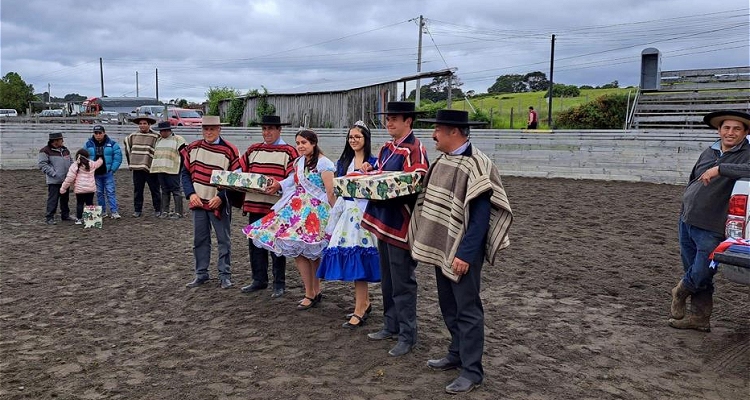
(686, 96)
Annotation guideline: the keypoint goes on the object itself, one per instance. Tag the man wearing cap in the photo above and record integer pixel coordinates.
(210, 206)
(166, 166)
(705, 204)
(388, 220)
(101, 146)
(275, 159)
(54, 160)
(461, 218)
(139, 150)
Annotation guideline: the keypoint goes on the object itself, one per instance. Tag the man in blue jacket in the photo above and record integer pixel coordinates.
(705, 204)
(101, 146)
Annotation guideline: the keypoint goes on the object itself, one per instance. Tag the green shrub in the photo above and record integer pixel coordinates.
(604, 112)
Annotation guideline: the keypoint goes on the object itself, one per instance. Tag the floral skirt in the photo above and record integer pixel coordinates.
(296, 229)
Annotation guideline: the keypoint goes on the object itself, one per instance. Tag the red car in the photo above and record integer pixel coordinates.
(184, 117)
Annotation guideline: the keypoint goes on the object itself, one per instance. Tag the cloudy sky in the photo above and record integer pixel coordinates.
(300, 46)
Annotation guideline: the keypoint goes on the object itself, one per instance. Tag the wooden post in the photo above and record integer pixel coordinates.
(511, 118)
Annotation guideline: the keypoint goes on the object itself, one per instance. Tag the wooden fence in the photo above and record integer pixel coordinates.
(661, 156)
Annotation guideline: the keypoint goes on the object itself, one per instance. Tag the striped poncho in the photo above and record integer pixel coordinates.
(275, 161)
(440, 217)
(200, 159)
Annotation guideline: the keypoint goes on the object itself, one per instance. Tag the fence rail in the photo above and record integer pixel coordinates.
(660, 156)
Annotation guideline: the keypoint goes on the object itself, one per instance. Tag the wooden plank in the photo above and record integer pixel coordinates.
(707, 85)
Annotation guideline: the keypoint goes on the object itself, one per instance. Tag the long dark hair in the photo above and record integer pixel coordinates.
(82, 158)
(312, 162)
(348, 154)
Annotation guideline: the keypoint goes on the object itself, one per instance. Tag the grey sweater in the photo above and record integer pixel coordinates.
(54, 163)
(706, 206)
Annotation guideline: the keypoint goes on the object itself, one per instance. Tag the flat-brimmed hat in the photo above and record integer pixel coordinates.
(98, 128)
(210, 120)
(452, 118)
(400, 108)
(164, 126)
(137, 119)
(273, 120)
(715, 118)
(55, 135)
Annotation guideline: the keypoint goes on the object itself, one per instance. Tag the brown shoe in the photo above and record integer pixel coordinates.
(679, 296)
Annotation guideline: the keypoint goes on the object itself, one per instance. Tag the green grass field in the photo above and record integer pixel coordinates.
(499, 106)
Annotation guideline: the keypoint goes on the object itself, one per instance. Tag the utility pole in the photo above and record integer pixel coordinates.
(49, 96)
(157, 84)
(136, 85)
(419, 61)
(101, 75)
(551, 84)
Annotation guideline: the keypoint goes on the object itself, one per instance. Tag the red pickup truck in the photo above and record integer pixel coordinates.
(733, 255)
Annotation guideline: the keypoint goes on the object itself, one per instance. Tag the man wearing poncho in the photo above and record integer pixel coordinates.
(461, 219)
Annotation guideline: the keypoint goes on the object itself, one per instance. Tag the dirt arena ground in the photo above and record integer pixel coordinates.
(576, 308)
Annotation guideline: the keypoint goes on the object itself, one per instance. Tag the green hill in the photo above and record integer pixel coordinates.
(499, 106)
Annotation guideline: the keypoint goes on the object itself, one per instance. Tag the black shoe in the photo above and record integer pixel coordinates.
(277, 293)
(365, 316)
(226, 283)
(137, 214)
(312, 303)
(157, 214)
(197, 282)
(349, 325)
(461, 385)
(253, 287)
(67, 218)
(443, 364)
(381, 335)
(400, 349)
(50, 222)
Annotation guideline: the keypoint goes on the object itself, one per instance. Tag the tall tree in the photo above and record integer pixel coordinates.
(437, 90)
(15, 93)
(536, 81)
(511, 83)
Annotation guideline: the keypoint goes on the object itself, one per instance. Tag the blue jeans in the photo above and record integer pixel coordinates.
(105, 192)
(696, 245)
(203, 220)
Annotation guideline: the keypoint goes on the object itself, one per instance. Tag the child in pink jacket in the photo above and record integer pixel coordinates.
(81, 176)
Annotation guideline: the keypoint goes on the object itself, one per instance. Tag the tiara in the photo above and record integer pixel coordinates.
(360, 124)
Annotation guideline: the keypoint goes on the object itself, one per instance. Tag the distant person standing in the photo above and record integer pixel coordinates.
(166, 166)
(533, 119)
(54, 160)
(211, 206)
(274, 159)
(100, 146)
(81, 177)
(139, 150)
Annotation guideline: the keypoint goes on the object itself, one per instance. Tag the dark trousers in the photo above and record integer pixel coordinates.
(259, 261)
(203, 221)
(463, 314)
(170, 184)
(83, 199)
(53, 197)
(399, 286)
(140, 179)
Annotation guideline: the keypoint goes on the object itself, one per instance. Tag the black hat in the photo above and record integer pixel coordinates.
(98, 128)
(400, 108)
(453, 118)
(138, 118)
(55, 135)
(715, 119)
(164, 126)
(274, 120)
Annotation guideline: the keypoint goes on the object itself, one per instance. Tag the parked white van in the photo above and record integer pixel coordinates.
(8, 112)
